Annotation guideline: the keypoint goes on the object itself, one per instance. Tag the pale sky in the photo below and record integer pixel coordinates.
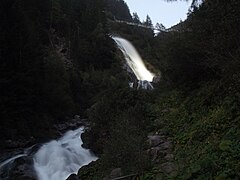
(167, 13)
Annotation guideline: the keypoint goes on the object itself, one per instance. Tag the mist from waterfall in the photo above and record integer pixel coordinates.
(133, 59)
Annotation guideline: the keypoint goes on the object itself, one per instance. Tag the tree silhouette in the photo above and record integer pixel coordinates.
(135, 18)
(148, 22)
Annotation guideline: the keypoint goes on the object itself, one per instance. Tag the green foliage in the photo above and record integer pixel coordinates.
(204, 47)
(119, 124)
(58, 100)
(130, 138)
(205, 130)
(54, 57)
(225, 145)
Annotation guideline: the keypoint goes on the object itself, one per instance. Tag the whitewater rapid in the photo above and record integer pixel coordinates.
(56, 160)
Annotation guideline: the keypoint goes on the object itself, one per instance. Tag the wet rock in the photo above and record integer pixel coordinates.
(73, 177)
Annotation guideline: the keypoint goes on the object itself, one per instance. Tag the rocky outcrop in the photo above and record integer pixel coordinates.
(70, 124)
(160, 152)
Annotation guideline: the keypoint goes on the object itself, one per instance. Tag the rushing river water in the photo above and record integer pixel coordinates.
(58, 159)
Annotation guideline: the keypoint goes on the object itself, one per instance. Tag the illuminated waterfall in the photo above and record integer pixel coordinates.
(135, 62)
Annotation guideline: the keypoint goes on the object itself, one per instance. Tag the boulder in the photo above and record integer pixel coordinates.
(115, 173)
(155, 140)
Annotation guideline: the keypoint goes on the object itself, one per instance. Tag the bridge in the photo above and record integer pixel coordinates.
(144, 26)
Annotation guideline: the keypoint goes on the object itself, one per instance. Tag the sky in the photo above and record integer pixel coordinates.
(167, 13)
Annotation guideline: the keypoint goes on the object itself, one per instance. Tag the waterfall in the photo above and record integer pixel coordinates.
(58, 159)
(135, 62)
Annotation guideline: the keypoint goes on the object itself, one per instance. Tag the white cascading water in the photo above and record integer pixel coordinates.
(135, 62)
(56, 160)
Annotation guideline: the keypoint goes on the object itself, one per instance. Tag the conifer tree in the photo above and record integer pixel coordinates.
(135, 18)
(148, 22)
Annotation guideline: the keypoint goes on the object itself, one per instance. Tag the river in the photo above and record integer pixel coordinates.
(58, 159)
